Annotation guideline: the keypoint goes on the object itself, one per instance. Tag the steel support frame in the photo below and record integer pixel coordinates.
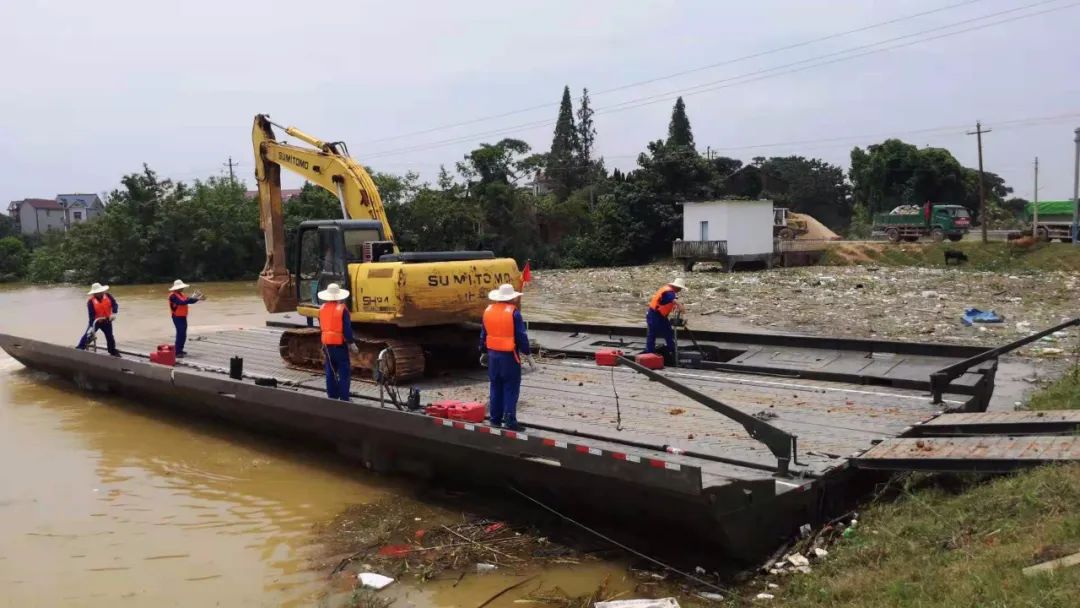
(781, 443)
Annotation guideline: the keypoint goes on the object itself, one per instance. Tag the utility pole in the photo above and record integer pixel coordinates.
(1035, 204)
(1076, 192)
(978, 132)
(232, 176)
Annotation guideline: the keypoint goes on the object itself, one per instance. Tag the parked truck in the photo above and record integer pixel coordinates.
(910, 222)
(1054, 220)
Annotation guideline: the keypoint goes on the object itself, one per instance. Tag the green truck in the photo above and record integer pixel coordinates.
(911, 222)
(1054, 221)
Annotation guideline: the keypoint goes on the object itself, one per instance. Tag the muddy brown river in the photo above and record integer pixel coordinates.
(105, 503)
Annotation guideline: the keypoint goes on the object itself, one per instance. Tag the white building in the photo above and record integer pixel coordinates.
(746, 226)
(79, 207)
(40, 215)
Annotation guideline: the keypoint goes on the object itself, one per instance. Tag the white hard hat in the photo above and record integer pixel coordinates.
(678, 283)
(333, 293)
(504, 293)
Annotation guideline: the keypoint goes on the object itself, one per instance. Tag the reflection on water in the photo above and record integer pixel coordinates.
(105, 503)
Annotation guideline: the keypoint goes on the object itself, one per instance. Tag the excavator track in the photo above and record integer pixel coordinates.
(302, 347)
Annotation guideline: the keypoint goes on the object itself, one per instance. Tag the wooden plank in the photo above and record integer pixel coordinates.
(1054, 564)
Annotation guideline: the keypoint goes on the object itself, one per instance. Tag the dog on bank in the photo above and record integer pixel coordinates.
(955, 257)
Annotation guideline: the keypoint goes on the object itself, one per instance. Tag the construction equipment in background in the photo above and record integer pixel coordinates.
(411, 305)
(787, 226)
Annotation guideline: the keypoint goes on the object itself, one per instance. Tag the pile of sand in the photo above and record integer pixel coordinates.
(815, 230)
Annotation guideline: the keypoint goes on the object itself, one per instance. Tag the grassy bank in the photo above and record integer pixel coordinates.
(1061, 395)
(959, 544)
(999, 256)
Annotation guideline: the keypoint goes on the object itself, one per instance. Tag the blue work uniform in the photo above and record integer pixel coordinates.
(336, 362)
(504, 374)
(658, 325)
(179, 318)
(104, 324)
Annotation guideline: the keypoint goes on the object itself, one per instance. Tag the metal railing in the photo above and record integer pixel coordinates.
(700, 250)
(790, 246)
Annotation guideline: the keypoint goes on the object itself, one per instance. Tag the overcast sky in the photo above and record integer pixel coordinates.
(91, 90)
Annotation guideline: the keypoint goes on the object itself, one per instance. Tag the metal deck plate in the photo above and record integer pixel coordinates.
(965, 454)
(572, 397)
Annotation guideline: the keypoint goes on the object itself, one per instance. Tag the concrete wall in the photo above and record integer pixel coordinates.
(747, 226)
(39, 221)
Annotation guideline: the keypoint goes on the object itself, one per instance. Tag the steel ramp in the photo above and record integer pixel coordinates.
(983, 454)
(1051, 422)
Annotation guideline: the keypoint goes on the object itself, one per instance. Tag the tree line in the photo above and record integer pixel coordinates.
(559, 208)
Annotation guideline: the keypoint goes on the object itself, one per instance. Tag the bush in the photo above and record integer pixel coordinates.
(13, 258)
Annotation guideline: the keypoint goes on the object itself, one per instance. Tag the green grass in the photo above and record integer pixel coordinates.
(1061, 395)
(991, 256)
(955, 544)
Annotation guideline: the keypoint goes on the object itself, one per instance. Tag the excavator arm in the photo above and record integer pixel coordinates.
(329, 166)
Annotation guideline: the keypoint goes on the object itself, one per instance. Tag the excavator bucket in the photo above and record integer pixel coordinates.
(278, 292)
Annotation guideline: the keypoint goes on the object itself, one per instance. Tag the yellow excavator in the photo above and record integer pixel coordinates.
(407, 309)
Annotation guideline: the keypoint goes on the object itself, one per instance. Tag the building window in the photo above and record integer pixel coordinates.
(704, 231)
(77, 215)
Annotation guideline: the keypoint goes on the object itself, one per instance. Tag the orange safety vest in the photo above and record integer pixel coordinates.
(102, 307)
(499, 325)
(663, 309)
(180, 310)
(331, 320)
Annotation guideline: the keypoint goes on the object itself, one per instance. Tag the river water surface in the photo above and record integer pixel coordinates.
(105, 503)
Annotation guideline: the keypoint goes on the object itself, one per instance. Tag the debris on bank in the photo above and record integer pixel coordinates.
(920, 304)
(811, 547)
(378, 543)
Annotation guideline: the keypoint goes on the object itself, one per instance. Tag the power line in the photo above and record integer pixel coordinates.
(677, 74)
(748, 77)
(849, 140)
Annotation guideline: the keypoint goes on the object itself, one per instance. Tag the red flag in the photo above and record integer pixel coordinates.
(526, 274)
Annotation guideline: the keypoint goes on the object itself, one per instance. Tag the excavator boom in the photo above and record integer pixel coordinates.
(328, 166)
(407, 309)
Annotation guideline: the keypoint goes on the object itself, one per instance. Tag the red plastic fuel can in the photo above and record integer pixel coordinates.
(650, 360)
(608, 357)
(164, 355)
(468, 412)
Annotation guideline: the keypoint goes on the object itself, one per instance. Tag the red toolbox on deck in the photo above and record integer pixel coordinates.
(441, 409)
(650, 360)
(608, 357)
(164, 355)
(468, 412)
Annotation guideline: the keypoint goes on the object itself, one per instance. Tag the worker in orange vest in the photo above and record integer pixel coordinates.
(102, 309)
(503, 341)
(178, 307)
(663, 303)
(337, 341)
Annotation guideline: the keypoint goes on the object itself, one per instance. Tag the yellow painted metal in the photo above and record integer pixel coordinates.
(405, 295)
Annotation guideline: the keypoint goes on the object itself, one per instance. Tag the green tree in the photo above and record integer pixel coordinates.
(679, 133)
(564, 169)
(8, 227)
(896, 173)
(586, 129)
(14, 258)
(809, 185)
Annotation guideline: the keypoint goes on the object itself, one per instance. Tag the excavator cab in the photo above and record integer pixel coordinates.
(325, 250)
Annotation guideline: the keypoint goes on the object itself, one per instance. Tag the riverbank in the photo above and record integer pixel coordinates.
(996, 256)
(954, 542)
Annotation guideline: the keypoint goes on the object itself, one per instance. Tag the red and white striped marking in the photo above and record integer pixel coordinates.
(655, 463)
